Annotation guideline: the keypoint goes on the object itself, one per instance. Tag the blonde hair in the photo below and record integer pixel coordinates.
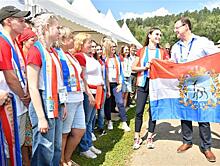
(107, 44)
(79, 41)
(40, 23)
(65, 33)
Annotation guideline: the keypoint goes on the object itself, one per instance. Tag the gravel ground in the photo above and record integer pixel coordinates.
(167, 140)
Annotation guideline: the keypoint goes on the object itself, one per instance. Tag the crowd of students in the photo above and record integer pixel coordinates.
(66, 84)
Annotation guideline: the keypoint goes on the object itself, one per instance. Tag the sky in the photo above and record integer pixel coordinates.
(149, 8)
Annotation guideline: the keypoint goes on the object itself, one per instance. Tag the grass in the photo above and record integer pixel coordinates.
(116, 146)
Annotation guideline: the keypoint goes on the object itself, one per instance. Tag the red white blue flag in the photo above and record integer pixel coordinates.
(188, 91)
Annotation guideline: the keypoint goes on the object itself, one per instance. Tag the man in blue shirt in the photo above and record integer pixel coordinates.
(191, 47)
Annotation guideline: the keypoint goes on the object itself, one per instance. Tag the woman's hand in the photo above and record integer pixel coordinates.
(43, 125)
(91, 99)
(64, 112)
(118, 88)
(147, 66)
(108, 94)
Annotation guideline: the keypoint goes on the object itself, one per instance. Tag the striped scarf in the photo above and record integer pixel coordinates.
(71, 77)
(17, 60)
(118, 66)
(144, 59)
(50, 80)
(9, 126)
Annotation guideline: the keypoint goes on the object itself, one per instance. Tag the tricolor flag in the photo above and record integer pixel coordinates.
(9, 127)
(189, 91)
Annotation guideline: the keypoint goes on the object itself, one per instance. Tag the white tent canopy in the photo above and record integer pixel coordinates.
(128, 33)
(18, 3)
(88, 10)
(64, 9)
(113, 25)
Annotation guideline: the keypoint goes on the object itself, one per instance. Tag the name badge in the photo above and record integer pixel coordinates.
(72, 82)
(63, 95)
(50, 105)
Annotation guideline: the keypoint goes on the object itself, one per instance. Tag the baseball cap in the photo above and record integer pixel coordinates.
(11, 11)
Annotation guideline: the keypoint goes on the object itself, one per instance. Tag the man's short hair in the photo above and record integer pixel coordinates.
(185, 21)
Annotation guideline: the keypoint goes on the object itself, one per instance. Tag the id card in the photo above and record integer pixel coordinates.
(50, 105)
(72, 82)
(63, 95)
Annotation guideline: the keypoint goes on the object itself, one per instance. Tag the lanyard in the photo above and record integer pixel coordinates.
(146, 59)
(76, 72)
(181, 51)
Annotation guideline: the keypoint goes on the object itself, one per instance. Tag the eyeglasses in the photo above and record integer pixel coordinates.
(179, 26)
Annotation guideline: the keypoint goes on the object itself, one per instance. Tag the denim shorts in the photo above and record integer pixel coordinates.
(75, 117)
(126, 87)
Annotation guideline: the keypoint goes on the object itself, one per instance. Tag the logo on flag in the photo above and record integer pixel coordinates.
(199, 88)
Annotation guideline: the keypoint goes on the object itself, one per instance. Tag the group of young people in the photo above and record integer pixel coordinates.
(59, 85)
(60, 81)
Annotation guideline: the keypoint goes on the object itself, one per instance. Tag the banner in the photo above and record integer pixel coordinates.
(188, 91)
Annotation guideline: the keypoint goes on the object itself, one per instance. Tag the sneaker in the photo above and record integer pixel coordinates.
(72, 163)
(137, 143)
(95, 150)
(102, 132)
(110, 125)
(93, 137)
(88, 154)
(150, 143)
(125, 127)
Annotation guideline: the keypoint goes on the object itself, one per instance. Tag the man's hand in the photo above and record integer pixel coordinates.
(3, 97)
(26, 100)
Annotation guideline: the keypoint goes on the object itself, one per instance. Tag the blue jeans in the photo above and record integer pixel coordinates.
(46, 148)
(119, 102)
(101, 115)
(90, 111)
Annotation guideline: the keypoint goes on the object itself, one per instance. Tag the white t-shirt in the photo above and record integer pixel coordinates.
(93, 73)
(74, 97)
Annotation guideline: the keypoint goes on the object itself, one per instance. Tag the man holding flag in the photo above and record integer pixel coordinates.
(189, 48)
